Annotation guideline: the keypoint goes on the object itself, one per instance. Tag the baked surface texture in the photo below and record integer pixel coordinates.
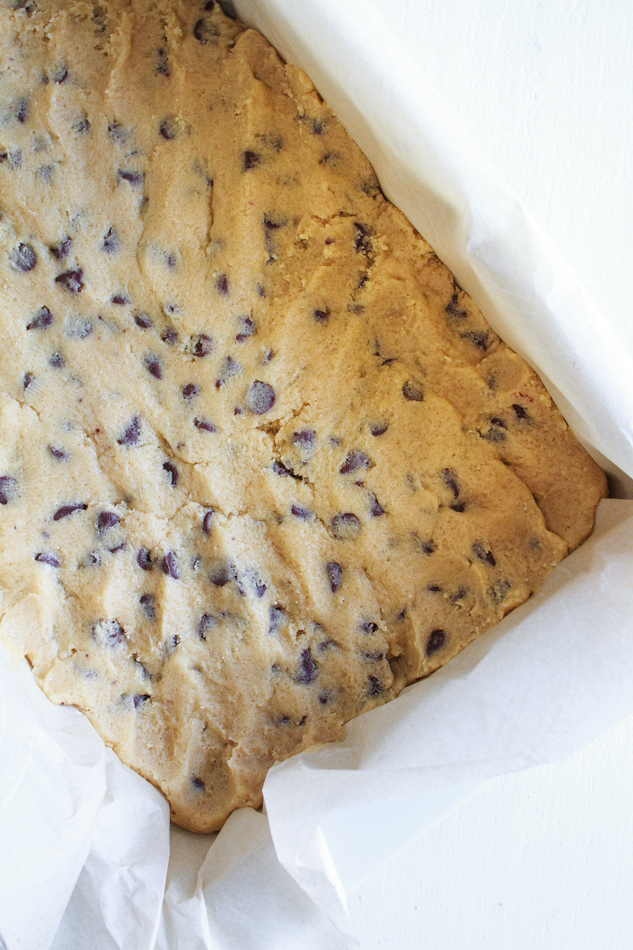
(262, 462)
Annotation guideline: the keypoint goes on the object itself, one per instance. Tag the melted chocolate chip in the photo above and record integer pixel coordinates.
(144, 559)
(8, 489)
(72, 280)
(413, 391)
(250, 160)
(172, 471)
(206, 622)
(308, 670)
(484, 554)
(378, 428)
(43, 318)
(207, 521)
(110, 242)
(148, 602)
(355, 460)
(66, 510)
(223, 573)
(169, 566)
(374, 686)
(304, 514)
(368, 627)
(45, 557)
(132, 434)
(321, 316)
(204, 425)
(134, 178)
(169, 128)
(435, 642)
(260, 398)
(152, 365)
(276, 616)
(334, 573)
(23, 258)
(106, 520)
(142, 321)
(61, 250)
(189, 391)
(205, 31)
(222, 284)
(345, 527)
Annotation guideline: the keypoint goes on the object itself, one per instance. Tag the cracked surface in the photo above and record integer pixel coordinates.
(262, 463)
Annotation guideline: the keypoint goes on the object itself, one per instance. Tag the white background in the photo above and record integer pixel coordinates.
(540, 860)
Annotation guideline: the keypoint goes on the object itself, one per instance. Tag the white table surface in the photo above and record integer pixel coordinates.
(543, 859)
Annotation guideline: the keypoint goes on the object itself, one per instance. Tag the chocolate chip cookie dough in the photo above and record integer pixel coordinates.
(262, 462)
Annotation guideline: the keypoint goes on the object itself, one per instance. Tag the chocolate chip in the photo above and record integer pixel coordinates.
(413, 391)
(134, 178)
(144, 559)
(169, 128)
(169, 566)
(355, 460)
(78, 328)
(189, 391)
(334, 573)
(141, 698)
(250, 160)
(66, 510)
(362, 241)
(374, 686)
(496, 432)
(8, 489)
(280, 469)
(478, 337)
(321, 316)
(169, 336)
(345, 527)
(45, 557)
(230, 367)
(434, 588)
(121, 300)
(368, 627)
(454, 310)
(148, 602)
(248, 329)
(428, 547)
(209, 6)
(110, 242)
(203, 345)
(22, 110)
(308, 670)
(276, 616)
(484, 554)
(109, 632)
(59, 454)
(204, 425)
(61, 250)
(142, 321)
(72, 280)
(205, 31)
(206, 622)
(207, 521)
(162, 62)
(106, 520)
(372, 656)
(302, 513)
(152, 365)
(172, 471)
(82, 125)
(119, 547)
(23, 258)
(27, 380)
(324, 697)
(43, 318)
(317, 127)
(260, 398)
(222, 574)
(435, 641)
(305, 439)
(133, 432)
(499, 590)
(57, 361)
(378, 428)
(459, 506)
(375, 508)
(449, 479)
(60, 75)
(197, 783)
(520, 412)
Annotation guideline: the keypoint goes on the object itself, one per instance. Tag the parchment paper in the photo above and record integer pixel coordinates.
(87, 857)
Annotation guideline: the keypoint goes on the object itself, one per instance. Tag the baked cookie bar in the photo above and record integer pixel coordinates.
(262, 462)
